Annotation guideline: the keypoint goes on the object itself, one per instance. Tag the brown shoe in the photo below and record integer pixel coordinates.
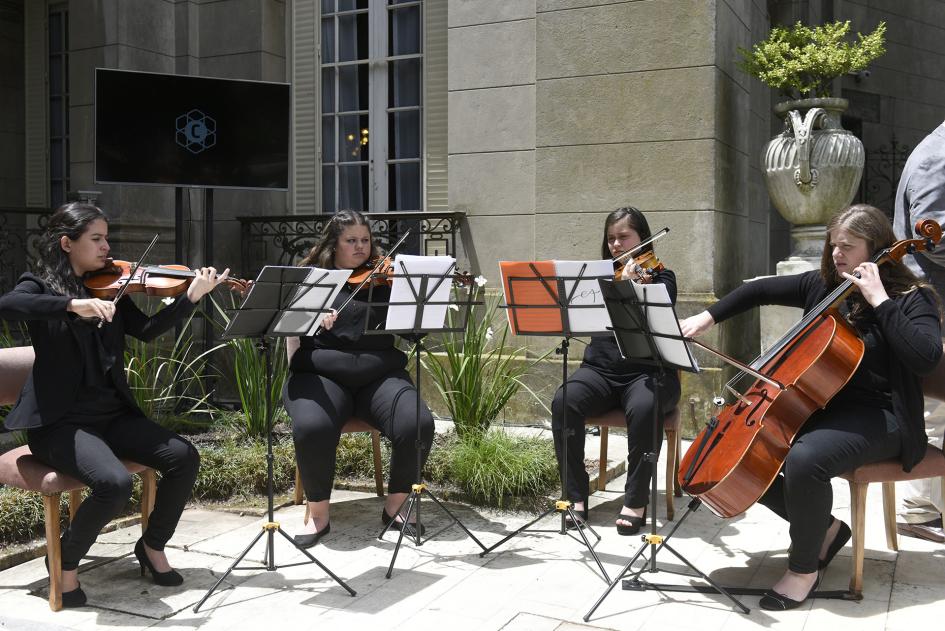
(930, 530)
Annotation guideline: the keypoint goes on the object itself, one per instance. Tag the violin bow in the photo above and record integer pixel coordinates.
(642, 244)
(134, 270)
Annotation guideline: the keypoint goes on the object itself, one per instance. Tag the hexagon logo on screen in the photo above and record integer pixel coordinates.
(196, 132)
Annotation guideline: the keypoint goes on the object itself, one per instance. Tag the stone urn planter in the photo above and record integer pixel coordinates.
(812, 169)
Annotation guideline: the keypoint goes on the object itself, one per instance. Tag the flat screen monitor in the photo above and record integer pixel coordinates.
(178, 130)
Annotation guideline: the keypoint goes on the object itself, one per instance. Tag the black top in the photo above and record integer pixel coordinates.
(603, 354)
(902, 338)
(348, 330)
(61, 342)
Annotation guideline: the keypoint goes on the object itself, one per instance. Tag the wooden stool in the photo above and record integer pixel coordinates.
(617, 418)
(354, 424)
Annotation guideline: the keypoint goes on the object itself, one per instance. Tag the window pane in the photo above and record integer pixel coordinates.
(55, 116)
(328, 190)
(353, 37)
(353, 87)
(353, 138)
(55, 74)
(55, 32)
(403, 89)
(353, 188)
(328, 41)
(328, 138)
(403, 134)
(55, 160)
(404, 31)
(328, 90)
(328, 6)
(351, 5)
(404, 186)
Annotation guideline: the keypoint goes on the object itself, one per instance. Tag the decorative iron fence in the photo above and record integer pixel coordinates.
(284, 240)
(881, 175)
(20, 230)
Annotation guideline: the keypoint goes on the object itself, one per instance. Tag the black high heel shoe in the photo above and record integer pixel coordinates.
(635, 523)
(843, 535)
(309, 540)
(773, 601)
(581, 514)
(409, 529)
(75, 598)
(165, 579)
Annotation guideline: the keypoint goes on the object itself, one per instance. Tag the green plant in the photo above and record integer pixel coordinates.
(497, 466)
(161, 382)
(249, 370)
(801, 61)
(476, 373)
(236, 468)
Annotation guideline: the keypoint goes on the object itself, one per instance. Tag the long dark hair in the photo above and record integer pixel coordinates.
(868, 223)
(635, 219)
(70, 220)
(323, 254)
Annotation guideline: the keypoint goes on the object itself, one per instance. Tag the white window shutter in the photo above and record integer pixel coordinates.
(37, 103)
(306, 107)
(435, 65)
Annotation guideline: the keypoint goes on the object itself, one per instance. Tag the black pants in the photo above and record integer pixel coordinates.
(319, 408)
(90, 451)
(833, 441)
(591, 393)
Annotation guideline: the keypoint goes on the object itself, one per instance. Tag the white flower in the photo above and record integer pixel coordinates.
(489, 333)
(454, 307)
(480, 280)
(168, 300)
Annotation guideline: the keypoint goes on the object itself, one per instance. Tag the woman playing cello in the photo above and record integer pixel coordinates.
(76, 406)
(877, 415)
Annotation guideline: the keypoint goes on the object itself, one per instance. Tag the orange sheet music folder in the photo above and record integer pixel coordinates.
(533, 304)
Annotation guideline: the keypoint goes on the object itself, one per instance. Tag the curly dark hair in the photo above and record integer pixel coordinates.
(53, 266)
(323, 253)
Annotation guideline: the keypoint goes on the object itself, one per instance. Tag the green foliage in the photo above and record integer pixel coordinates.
(249, 370)
(236, 467)
(477, 372)
(800, 61)
(161, 382)
(496, 466)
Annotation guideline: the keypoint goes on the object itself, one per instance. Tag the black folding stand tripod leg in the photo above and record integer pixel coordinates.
(418, 489)
(271, 527)
(563, 505)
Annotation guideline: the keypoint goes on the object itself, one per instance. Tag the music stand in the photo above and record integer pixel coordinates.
(542, 302)
(415, 310)
(647, 330)
(282, 302)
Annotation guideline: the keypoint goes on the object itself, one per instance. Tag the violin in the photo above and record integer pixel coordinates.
(642, 268)
(375, 273)
(162, 281)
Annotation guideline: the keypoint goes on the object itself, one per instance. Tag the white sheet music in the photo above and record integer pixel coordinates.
(308, 298)
(586, 321)
(408, 289)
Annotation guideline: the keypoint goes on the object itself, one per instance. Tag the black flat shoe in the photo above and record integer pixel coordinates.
(635, 523)
(843, 535)
(165, 579)
(773, 601)
(409, 529)
(582, 515)
(307, 541)
(75, 598)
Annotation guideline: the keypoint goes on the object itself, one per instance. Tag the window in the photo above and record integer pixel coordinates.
(372, 112)
(58, 104)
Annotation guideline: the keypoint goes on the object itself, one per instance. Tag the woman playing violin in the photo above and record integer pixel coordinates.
(76, 406)
(606, 380)
(340, 372)
(876, 416)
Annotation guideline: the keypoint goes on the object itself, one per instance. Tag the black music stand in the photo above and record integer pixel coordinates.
(559, 299)
(271, 309)
(647, 331)
(421, 295)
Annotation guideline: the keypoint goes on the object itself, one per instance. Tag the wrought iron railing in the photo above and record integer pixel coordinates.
(881, 175)
(285, 239)
(20, 230)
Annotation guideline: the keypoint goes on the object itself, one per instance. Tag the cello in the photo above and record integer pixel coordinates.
(736, 457)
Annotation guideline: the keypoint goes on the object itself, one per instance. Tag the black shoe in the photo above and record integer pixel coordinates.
(75, 598)
(165, 579)
(307, 541)
(409, 529)
(840, 540)
(635, 523)
(582, 516)
(773, 601)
